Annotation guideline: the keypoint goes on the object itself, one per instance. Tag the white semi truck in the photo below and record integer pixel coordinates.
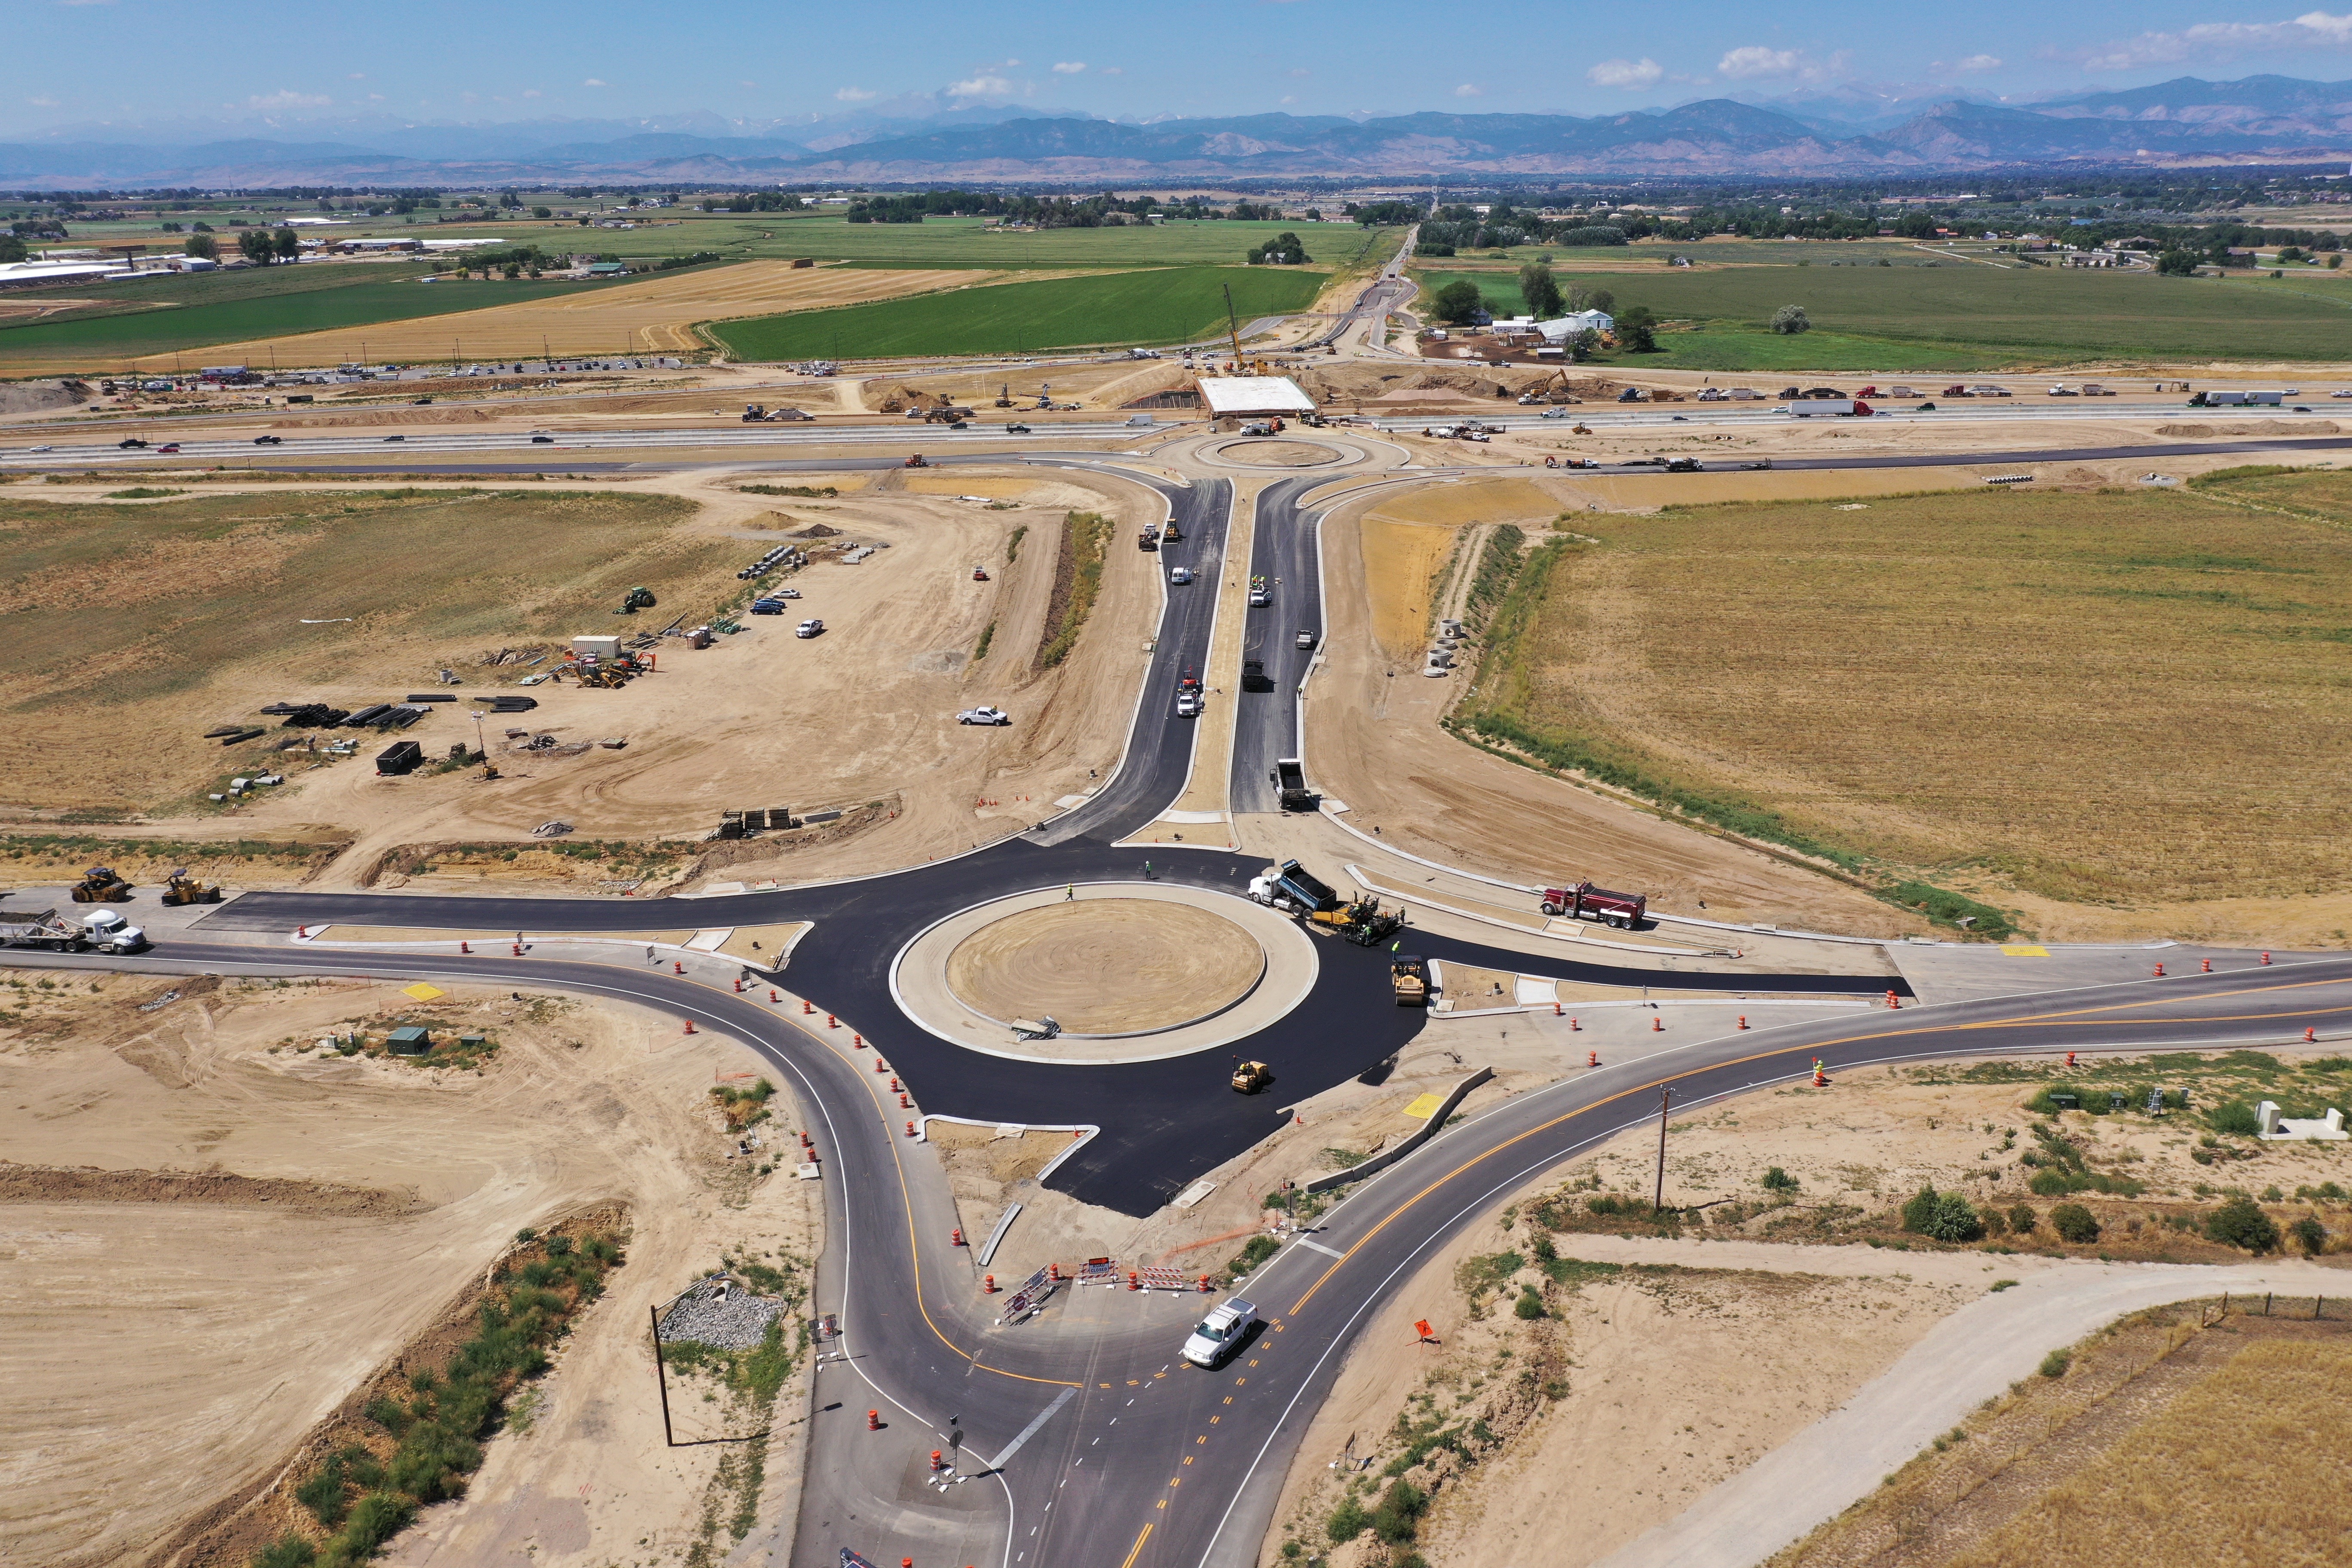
(104, 931)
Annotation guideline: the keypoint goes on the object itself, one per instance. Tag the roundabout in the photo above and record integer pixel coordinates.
(1129, 972)
(1262, 453)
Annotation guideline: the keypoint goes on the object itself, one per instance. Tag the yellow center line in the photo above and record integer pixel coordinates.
(2085, 1014)
(1137, 1550)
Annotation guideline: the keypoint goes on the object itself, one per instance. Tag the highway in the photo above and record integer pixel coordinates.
(1084, 1440)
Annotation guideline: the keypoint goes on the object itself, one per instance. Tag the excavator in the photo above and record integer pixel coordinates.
(182, 889)
(1552, 388)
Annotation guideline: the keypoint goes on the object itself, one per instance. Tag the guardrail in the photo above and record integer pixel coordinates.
(1387, 1157)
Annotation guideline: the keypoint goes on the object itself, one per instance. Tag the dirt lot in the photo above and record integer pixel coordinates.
(1603, 1410)
(1978, 650)
(215, 1232)
(656, 316)
(760, 718)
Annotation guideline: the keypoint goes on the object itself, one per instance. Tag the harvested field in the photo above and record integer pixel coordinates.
(656, 316)
(2103, 697)
(1408, 540)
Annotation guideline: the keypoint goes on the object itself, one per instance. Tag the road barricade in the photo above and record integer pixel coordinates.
(1098, 1272)
(1163, 1279)
(1033, 1293)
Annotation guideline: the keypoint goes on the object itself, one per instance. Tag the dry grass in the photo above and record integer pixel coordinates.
(656, 316)
(2100, 698)
(1402, 560)
(138, 627)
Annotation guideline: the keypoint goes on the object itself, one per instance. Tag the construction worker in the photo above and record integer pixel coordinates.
(1070, 893)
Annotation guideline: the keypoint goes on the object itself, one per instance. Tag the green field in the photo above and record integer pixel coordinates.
(1156, 306)
(1950, 317)
(362, 299)
(971, 242)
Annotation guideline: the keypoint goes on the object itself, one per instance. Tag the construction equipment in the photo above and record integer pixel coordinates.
(637, 599)
(1251, 1076)
(1005, 397)
(1289, 778)
(1233, 326)
(1169, 533)
(1147, 538)
(100, 886)
(1552, 388)
(1363, 922)
(182, 889)
(1409, 976)
(1292, 889)
(1586, 902)
(107, 931)
(917, 461)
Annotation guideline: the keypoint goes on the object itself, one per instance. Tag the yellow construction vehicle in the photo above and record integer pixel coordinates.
(100, 886)
(1409, 976)
(182, 889)
(1233, 326)
(1251, 1076)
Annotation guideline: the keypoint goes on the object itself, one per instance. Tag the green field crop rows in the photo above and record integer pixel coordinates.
(1159, 306)
(971, 242)
(363, 301)
(1960, 317)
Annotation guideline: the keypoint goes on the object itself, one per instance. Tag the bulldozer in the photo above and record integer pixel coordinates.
(182, 889)
(100, 886)
(1251, 1076)
(1409, 975)
(637, 599)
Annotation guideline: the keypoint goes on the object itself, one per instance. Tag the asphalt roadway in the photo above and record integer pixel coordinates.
(1079, 1437)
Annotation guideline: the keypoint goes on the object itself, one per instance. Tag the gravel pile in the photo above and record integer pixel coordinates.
(720, 1312)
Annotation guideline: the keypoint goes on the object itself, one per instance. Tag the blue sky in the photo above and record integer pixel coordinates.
(75, 63)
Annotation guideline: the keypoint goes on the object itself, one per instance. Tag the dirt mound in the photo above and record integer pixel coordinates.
(2310, 427)
(89, 1185)
(816, 530)
(32, 397)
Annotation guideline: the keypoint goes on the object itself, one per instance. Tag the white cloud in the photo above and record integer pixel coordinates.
(1469, 90)
(378, 98)
(595, 81)
(42, 102)
(1756, 60)
(286, 97)
(1068, 68)
(854, 94)
(1979, 63)
(2312, 30)
(980, 87)
(1300, 70)
(527, 92)
(1625, 73)
(1113, 70)
(357, 76)
(1288, 99)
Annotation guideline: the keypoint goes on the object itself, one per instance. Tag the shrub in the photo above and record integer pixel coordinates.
(1397, 1517)
(2055, 1364)
(2022, 1219)
(2049, 1184)
(1346, 1521)
(2073, 1222)
(1776, 1180)
(2236, 1119)
(2309, 1235)
(285, 1551)
(1529, 1304)
(2241, 1223)
(1942, 1216)
(1792, 319)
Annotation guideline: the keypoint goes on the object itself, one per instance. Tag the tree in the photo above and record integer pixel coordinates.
(12, 249)
(1942, 1216)
(287, 244)
(204, 245)
(1583, 299)
(1792, 319)
(2240, 1222)
(1540, 290)
(1457, 301)
(2176, 263)
(1284, 249)
(1582, 343)
(2074, 1223)
(258, 247)
(1637, 329)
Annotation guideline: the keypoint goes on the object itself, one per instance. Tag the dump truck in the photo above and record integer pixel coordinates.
(106, 930)
(182, 889)
(1408, 976)
(1251, 1076)
(100, 886)
(1289, 779)
(1292, 887)
(1586, 902)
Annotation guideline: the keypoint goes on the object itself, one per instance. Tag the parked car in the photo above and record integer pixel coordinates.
(1219, 1334)
(767, 606)
(984, 716)
(809, 628)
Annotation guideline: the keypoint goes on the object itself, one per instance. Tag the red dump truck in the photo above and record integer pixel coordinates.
(1586, 902)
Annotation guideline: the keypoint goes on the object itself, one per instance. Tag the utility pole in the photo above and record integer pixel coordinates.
(662, 1378)
(1658, 1200)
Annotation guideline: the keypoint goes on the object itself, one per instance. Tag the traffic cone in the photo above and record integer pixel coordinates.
(739, 986)
(895, 1084)
(773, 997)
(1821, 1078)
(676, 967)
(955, 1237)
(910, 1130)
(1132, 1283)
(2266, 959)
(1893, 1002)
(518, 950)
(988, 1284)
(1576, 1026)
(2311, 1036)
(856, 1041)
(905, 1103)
(465, 947)
(2208, 966)
(689, 1026)
(874, 1421)
(1205, 1284)
(1053, 1271)
(1592, 1058)
(830, 1022)
(1743, 1020)
(881, 1065)
(1657, 1025)
(2159, 971)
(937, 1464)
(807, 1008)
(1557, 1010)
(2070, 1058)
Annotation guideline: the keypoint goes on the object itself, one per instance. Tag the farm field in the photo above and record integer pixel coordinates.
(2115, 698)
(110, 343)
(1715, 250)
(645, 315)
(1914, 314)
(128, 614)
(1156, 306)
(971, 242)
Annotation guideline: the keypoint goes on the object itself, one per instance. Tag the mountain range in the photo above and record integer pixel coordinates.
(2186, 121)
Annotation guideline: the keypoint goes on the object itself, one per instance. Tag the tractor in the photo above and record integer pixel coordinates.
(100, 886)
(182, 889)
(638, 599)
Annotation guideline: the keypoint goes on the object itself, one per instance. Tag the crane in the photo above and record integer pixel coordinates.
(1233, 325)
